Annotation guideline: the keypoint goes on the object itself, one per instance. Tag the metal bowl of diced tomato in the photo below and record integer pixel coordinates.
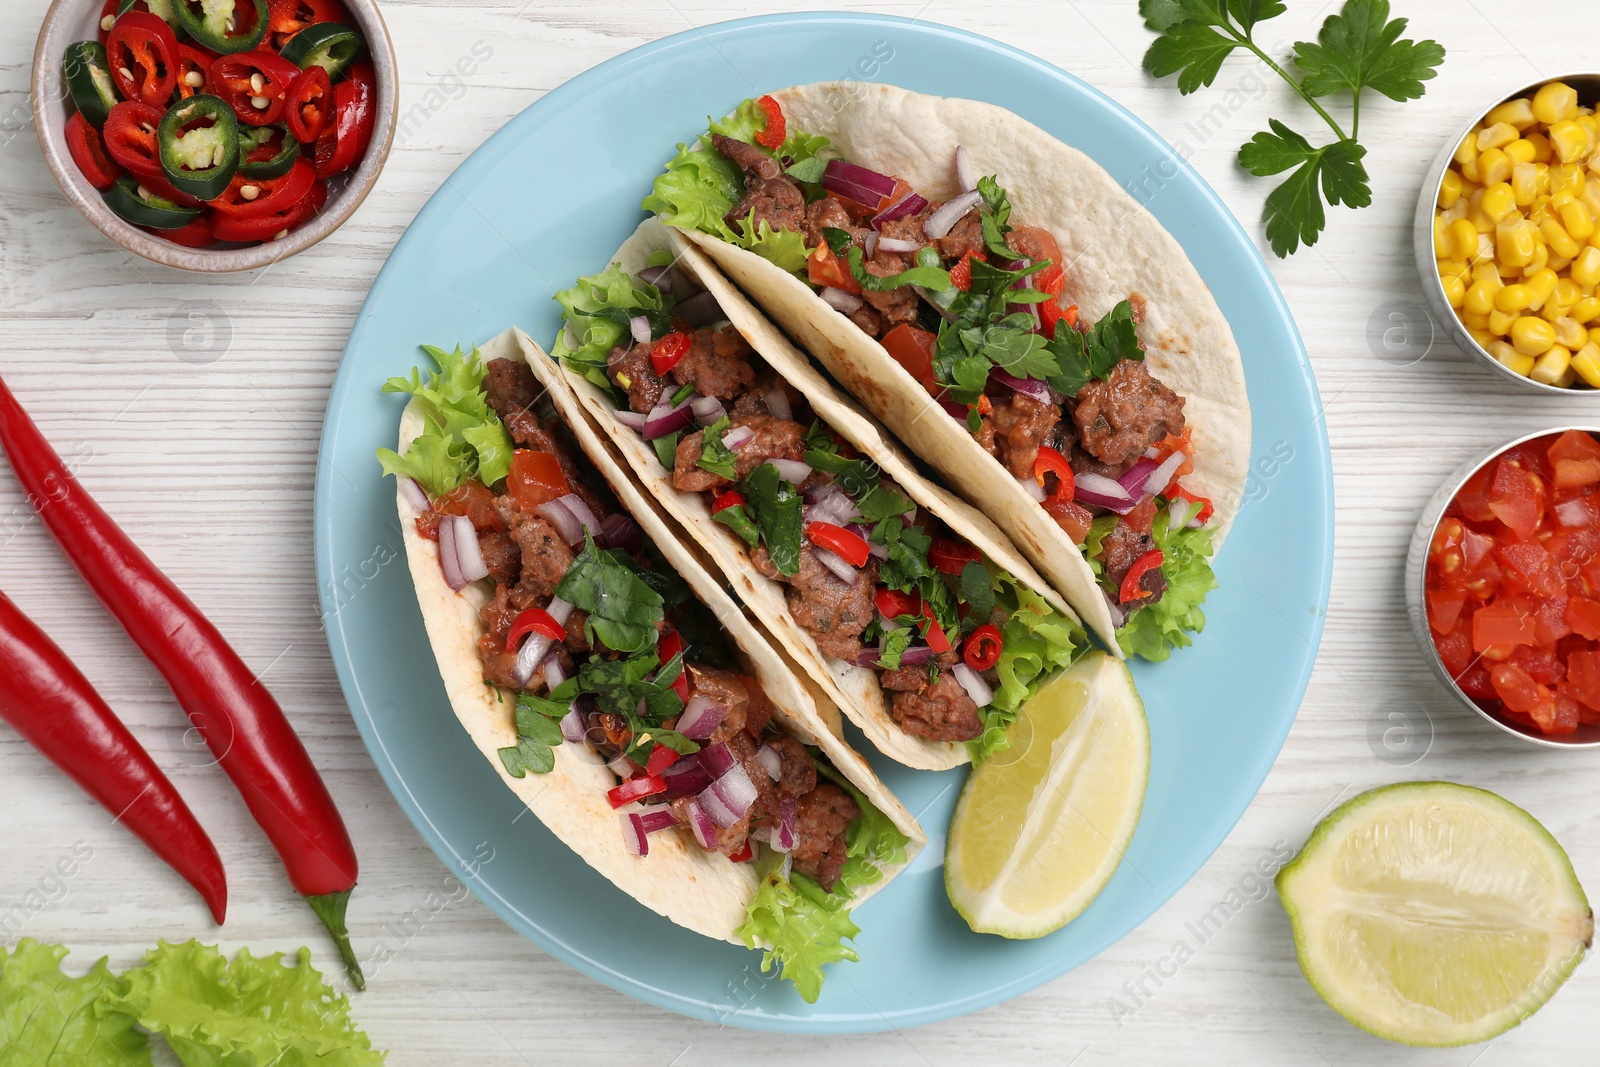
(1503, 586)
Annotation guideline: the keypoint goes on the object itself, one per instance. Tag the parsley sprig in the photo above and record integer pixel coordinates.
(1358, 48)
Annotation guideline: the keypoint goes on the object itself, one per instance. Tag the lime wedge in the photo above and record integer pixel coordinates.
(1435, 914)
(1040, 827)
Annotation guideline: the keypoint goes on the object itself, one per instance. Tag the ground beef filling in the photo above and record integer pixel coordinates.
(1117, 419)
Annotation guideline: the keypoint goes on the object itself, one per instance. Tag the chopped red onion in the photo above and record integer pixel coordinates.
(657, 817)
(897, 244)
(619, 531)
(737, 437)
(700, 717)
(729, 798)
(1178, 514)
(703, 825)
(622, 767)
(785, 834)
(707, 410)
(631, 419)
(1103, 492)
(581, 511)
(914, 656)
(1152, 452)
(416, 497)
(1032, 487)
(770, 761)
(841, 300)
(777, 401)
(639, 326)
(561, 517)
(687, 777)
(665, 418)
(870, 245)
(634, 839)
(791, 470)
(1132, 480)
(559, 610)
(1032, 388)
(669, 278)
(877, 551)
(701, 309)
(468, 552)
(976, 687)
(964, 173)
(529, 656)
(954, 410)
(909, 204)
(449, 561)
(572, 725)
(553, 674)
(1158, 481)
(837, 564)
(942, 221)
(866, 187)
(717, 759)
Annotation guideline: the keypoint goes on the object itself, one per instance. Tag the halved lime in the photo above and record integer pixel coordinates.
(1041, 826)
(1431, 913)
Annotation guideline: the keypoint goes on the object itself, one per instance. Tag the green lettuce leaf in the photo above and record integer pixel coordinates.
(597, 309)
(50, 1020)
(1153, 632)
(462, 437)
(248, 1013)
(1038, 641)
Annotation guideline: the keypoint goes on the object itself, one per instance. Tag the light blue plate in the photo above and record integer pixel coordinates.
(547, 199)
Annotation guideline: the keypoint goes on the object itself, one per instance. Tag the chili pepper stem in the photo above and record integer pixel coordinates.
(330, 908)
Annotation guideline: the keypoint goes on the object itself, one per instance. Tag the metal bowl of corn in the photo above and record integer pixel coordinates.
(1508, 235)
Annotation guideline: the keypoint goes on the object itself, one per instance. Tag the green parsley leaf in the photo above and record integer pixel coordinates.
(895, 643)
(715, 456)
(775, 506)
(933, 279)
(880, 502)
(738, 520)
(807, 170)
(1113, 339)
(1359, 47)
(1293, 211)
(666, 447)
(1193, 50)
(977, 592)
(623, 610)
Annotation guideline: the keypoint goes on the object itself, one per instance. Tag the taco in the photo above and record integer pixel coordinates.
(911, 609)
(614, 685)
(1017, 318)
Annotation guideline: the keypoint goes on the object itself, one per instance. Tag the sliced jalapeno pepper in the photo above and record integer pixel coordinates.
(328, 45)
(142, 56)
(88, 78)
(162, 9)
(198, 140)
(266, 151)
(146, 208)
(223, 26)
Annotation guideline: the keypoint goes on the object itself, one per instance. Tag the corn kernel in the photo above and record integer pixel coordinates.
(1485, 249)
(1542, 152)
(1577, 220)
(1502, 351)
(1556, 236)
(1566, 178)
(1514, 244)
(1495, 166)
(1500, 322)
(1569, 333)
(1454, 290)
(1549, 367)
(1568, 379)
(1524, 183)
(1486, 271)
(1586, 266)
(1541, 255)
(1566, 292)
(1555, 102)
(1553, 312)
(1458, 210)
(1469, 170)
(1452, 268)
(1586, 310)
(1518, 113)
(1449, 187)
(1517, 361)
(1482, 337)
(1540, 285)
(1532, 336)
(1496, 136)
(1441, 239)
(1473, 320)
(1463, 239)
(1479, 300)
(1499, 201)
(1467, 150)
(1558, 263)
(1569, 141)
(1586, 361)
(1515, 297)
(1594, 334)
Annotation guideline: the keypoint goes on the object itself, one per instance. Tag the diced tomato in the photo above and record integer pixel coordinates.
(1472, 499)
(1518, 689)
(961, 273)
(1575, 459)
(1501, 625)
(730, 499)
(1444, 609)
(1559, 715)
(1583, 616)
(1073, 518)
(913, 349)
(824, 267)
(1455, 649)
(1474, 681)
(1527, 567)
(1517, 497)
(1550, 620)
(745, 854)
(536, 478)
(1142, 515)
(1540, 661)
(1583, 678)
(1580, 511)
(473, 500)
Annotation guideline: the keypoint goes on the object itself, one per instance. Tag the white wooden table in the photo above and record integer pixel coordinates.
(191, 407)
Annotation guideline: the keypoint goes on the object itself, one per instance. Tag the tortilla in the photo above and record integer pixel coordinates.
(697, 889)
(1112, 248)
(854, 689)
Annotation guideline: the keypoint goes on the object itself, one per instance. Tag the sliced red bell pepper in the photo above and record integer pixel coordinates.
(254, 198)
(671, 645)
(309, 105)
(534, 621)
(1051, 312)
(949, 556)
(669, 352)
(142, 54)
(89, 153)
(344, 141)
(661, 757)
(645, 785)
(777, 126)
(961, 273)
(1130, 589)
(130, 138)
(983, 648)
(255, 84)
(934, 632)
(846, 544)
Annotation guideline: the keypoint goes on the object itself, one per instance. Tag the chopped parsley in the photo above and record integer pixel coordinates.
(623, 609)
(776, 507)
(715, 456)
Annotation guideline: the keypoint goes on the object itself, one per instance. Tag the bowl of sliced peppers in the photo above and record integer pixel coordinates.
(215, 135)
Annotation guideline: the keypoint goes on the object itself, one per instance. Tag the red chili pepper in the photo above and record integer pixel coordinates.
(645, 785)
(847, 544)
(950, 556)
(233, 78)
(730, 499)
(142, 54)
(961, 273)
(309, 104)
(108, 11)
(745, 854)
(1050, 313)
(935, 633)
(669, 352)
(671, 644)
(1049, 461)
(777, 126)
(1130, 583)
(1206, 509)
(1051, 280)
(285, 18)
(195, 234)
(89, 153)
(192, 59)
(534, 620)
(661, 757)
(344, 141)
(983, 648)
(227, 703)
(892, 603)
(273, 195)
(130, 137)
(51, 704)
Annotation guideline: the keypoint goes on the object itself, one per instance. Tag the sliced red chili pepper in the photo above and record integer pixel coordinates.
(259, 228)
(1052, 280)
(285, 18)
(194, 234)
(777, 126)
(668, 352)
(309, 107)
(130, 138)
(983, 648)
(730, 499)
(949, 556)
(108, 12)
(533, 621)
(671, 644)
(270, 195)
(934, 632)
(1051, 312)
(142, 54)
(661, 757)
(1206, 508)
(1130, 589)
(892, 603)
(89, 153)
(1048, 462)
(255, 84)
(961, 273)
(645, 785)
(192, 59)
(344, 141)
(847, 544)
